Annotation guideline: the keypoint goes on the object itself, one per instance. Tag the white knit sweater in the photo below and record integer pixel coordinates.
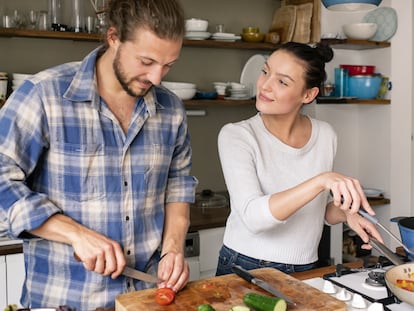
(255, 165)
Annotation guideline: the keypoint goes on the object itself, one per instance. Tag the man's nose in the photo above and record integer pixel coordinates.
(155, 75)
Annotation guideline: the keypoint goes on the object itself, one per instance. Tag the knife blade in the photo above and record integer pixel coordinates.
(132, 273)
(244, 274)
(139, 275)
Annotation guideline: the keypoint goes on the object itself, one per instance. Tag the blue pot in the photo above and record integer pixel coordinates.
(364, 86)
(406, 226)
(350, 5)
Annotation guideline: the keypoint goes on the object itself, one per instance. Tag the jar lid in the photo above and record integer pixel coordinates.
(207, 198)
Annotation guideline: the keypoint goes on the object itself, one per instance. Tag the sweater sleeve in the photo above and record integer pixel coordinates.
(237, 151)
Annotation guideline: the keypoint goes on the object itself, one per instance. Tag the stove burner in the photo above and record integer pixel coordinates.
(376, 278)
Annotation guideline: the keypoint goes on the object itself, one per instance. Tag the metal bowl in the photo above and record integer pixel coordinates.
(404, 272)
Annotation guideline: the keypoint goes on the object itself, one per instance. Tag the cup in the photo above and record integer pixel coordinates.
(7, 21)
(90, 24)
(42, 22)
(386, 86)
(220, 28)
(341, 82)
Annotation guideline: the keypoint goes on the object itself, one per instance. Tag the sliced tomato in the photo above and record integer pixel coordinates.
(164, 296)
(405, 284)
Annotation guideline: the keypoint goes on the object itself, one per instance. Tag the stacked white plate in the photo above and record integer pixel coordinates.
(225, 36)
(18, 79)
(239, 91)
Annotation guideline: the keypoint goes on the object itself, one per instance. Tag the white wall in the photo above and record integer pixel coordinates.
(375, 140)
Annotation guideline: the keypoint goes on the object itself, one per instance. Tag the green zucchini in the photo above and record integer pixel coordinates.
(264, 303)
(205, 307)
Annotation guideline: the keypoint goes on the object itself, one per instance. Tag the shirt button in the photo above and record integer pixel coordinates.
(127, 218)
(128, 252)
(125, 183)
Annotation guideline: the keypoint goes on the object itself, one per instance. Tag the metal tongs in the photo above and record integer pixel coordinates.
(375, 221)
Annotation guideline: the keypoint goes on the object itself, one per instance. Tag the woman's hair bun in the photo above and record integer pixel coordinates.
(325, 52)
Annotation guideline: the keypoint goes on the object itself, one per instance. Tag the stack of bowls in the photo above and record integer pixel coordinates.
(363, 82)
(18, 78)
(196, 29)
(221, 89)
(183, 90)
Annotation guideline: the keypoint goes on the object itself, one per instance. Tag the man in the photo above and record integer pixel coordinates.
(94, 164)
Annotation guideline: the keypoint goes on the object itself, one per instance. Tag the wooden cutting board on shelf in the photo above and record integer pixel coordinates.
(226, 291)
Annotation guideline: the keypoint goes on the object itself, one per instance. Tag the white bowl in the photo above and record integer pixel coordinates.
(360, 31)
(405, 272)
(178, 85)
(196, 24)
(184, 93)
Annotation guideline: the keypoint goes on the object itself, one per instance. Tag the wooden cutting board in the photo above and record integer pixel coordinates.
(226, 291)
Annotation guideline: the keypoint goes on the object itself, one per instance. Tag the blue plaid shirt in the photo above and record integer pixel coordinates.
(63, 151)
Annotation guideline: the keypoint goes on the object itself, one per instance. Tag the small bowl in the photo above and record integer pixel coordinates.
(196, 24)
(360, 31)
(354, 70)
(253, 36)
(251, 29)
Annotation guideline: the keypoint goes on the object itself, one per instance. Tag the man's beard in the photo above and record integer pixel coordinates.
(122, 80)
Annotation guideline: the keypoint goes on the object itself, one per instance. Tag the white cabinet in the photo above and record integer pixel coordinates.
(3, 286)
(11, 279)
(211, 241)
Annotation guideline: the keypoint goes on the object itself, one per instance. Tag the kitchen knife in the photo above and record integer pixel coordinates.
(133, 273)
(139, 275)
(244, 274)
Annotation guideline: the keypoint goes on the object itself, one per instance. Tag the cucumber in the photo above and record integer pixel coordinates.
(205, 307)
(264, 303)
(240, 308)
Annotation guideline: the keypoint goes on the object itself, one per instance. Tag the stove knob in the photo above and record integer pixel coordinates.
(358, 302)
(376, 306)
(343, 295)
(328, 287)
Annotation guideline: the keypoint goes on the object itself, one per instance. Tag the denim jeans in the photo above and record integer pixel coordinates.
(229, 257)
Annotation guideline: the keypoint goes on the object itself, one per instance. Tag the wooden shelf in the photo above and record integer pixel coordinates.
(336, 100)
(380, 201)
(221, 102)
(352, 44)
(349, 44)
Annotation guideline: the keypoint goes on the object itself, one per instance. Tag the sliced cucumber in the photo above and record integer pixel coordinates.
(205, 307)
(240, 308)
(264, 303)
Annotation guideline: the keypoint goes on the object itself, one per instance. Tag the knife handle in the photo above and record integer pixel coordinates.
(244, 274)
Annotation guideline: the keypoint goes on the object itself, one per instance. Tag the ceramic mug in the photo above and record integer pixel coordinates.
(386, 86)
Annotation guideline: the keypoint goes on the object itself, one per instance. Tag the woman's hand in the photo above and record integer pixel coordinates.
(364, 228)
(174, 271)
(347, 193)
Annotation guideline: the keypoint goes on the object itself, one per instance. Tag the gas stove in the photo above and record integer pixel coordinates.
(361, 289)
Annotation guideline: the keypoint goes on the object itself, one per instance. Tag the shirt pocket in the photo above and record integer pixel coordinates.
(80, 171)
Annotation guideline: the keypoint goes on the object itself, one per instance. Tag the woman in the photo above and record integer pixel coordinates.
(278, 171)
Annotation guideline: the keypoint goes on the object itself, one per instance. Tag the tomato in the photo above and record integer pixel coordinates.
(164, 296)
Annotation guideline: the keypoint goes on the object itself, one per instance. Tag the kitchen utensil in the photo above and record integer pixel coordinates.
(360, 31)
(375, 221)
(364, 86)
(387, 21)
(253, 36)
(385, 251)
(406, 227)
(403, 272)
(244, 274)
(132, 273)
(196, 24)
(356, 70)
(139, 275)
(284, 21)
(341, 82)
(226, 291)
